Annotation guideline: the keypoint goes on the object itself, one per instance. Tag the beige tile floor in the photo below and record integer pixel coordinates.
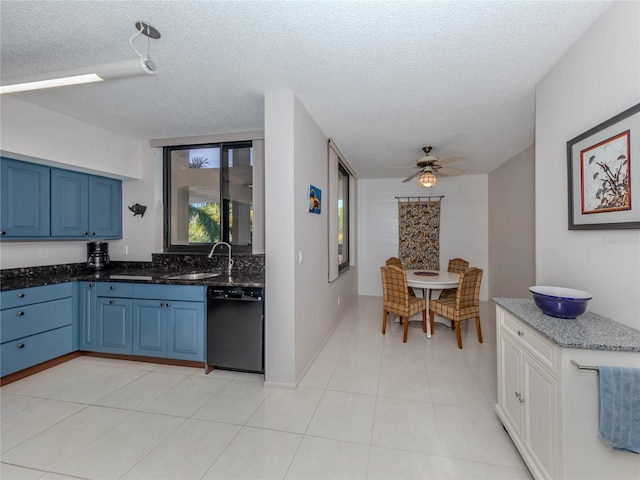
(369, 407)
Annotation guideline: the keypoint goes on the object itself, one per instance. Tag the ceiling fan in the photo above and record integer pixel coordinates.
(429, 165)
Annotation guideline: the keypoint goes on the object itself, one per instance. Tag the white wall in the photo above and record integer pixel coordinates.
(301, 307)
(463, 224)
(512, 226)
(596, 79)
(29, 132)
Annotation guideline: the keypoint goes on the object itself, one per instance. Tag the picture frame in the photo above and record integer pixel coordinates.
(315, 199)
(604, 174)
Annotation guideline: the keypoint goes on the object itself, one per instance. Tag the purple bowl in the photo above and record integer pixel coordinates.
(560, 302)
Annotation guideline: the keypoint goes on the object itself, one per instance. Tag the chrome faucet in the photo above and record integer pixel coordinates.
(228, 247)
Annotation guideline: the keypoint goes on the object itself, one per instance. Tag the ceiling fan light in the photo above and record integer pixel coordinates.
(427, 179)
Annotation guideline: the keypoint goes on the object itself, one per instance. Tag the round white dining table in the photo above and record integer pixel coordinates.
(429, 280)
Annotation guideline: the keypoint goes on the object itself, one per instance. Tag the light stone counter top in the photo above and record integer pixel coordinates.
(589, 331)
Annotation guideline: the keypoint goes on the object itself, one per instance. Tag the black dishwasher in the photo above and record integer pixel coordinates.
(235, 328)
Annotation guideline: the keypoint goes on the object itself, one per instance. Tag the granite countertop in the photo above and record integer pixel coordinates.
(589, 331)
(129, 274)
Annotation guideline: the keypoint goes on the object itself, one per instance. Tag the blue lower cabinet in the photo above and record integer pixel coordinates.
(87, 334)
(149, 328)
(113, 324)
(36, 325)
(171, 329)
(186, 331)
(26, 352)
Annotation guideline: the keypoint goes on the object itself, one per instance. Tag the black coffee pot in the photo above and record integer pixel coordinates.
(97, 255)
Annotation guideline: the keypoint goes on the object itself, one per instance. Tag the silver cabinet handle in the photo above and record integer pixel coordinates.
(85, 233)
(21, 295)
(111, 302)
(167, 304)
(2, 232)
(91, 285)
(112, 287)
(21, 346)
(20, 313)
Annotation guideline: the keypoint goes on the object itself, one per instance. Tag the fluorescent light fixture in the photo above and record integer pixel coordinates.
(96, 73)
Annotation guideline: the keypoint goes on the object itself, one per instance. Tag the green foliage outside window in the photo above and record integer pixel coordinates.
(204, 223)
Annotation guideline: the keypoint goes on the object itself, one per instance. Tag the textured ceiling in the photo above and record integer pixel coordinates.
(381, 78)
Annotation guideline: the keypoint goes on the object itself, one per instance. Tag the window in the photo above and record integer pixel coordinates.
(340, 183)
(343, 217)
(208, 196)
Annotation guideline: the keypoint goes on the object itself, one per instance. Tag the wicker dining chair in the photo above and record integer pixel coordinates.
(396, 262)
(456, 265)
(396, 299)
(465, 305)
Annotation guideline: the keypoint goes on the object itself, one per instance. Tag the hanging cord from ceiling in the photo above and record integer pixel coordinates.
(148, 31)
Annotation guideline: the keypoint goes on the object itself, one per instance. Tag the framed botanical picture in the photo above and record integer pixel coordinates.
(315, 199)
(604, 174)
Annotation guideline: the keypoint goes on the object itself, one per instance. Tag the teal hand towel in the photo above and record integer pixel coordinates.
(619, 389)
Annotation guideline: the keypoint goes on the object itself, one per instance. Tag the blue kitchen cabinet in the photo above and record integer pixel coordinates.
(85, 205)
(87, 334)
(169, 321)
(69, 203)
(113, 322)
(149, 328)
(36, 325)
(185, 326)
(168, 328)
(25, 199)
(105, 207)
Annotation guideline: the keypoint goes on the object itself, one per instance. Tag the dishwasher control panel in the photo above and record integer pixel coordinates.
(235, 293)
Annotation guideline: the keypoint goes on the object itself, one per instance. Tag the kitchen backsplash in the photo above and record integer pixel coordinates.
(245, 263)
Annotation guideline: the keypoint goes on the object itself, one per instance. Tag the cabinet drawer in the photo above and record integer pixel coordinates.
(26, 296)
(531, 341)
(31, 319)
(187, 293)
(29, 351)
(114, 289)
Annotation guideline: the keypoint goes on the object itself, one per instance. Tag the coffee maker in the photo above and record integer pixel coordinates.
(97, 255)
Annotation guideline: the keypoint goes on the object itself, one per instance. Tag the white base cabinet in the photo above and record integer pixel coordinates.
(550, 408)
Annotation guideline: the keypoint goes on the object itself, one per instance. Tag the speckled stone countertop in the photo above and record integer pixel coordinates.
(589, 331)
(248, 271)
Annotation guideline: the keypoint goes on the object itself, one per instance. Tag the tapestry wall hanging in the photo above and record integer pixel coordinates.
(419, 233)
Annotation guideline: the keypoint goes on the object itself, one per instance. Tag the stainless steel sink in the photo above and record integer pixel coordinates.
(195, 276)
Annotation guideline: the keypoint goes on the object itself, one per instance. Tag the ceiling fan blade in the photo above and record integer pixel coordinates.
(449, 171)
(412, 176)
(452, 159)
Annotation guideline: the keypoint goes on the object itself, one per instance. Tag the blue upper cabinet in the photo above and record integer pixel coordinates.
(105, 207)
(45, 202)
(24, 198)
(69, 200)
(85, 205)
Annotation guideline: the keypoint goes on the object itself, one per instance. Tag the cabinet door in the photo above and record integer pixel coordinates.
(113, 323)
(509, 388)
(87, 333)
(25, 198)
(540, 414)
(105, 207)
(69, 203)
(186, 330)
(150, 328)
